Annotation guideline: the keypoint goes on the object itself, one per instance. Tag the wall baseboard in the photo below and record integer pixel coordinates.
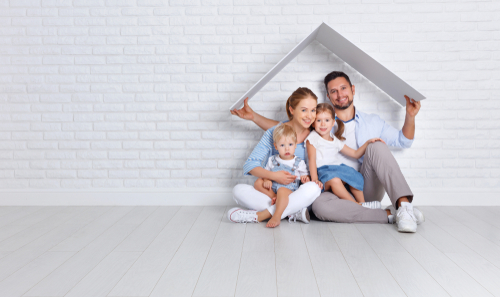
(213, 196)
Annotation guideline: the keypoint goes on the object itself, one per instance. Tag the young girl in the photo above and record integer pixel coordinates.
(325, 168)
(285, 142)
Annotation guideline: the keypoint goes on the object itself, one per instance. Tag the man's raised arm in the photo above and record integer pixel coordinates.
(247, 113)
(412, 108)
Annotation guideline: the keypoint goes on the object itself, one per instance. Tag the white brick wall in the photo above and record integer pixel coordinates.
(135, 93)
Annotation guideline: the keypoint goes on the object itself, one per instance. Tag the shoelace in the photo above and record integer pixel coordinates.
(246, 219)
(406, 212)
(294, 217)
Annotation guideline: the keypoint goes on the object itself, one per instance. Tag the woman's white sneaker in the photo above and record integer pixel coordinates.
(405, 219)
(238, 215)
(301, 215)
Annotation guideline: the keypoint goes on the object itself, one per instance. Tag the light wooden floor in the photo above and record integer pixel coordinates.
(195, 251)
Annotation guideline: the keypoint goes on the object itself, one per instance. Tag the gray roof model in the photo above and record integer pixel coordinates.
(382, 77)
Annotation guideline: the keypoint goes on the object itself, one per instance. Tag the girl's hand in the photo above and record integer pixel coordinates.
(267, 184)
(375, 140)
(304, 179)
(283, 177)
(245, 112)
(320, 184)
(273, 200)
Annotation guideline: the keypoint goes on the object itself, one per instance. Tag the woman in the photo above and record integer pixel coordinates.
(301, 111)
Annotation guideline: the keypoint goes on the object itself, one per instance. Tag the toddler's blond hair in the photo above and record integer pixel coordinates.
(284, 131)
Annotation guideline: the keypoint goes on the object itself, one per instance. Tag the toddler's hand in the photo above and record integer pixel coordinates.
(304, 179)
(273, 200)
(267, 184)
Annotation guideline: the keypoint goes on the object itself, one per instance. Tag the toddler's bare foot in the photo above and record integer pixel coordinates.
(273, 222)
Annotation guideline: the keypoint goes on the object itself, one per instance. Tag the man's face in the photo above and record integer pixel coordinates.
(340, 93)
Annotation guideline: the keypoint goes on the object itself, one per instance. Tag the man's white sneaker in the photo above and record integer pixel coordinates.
(238, 215)
(301, 215)
(405, 219)
(372, 204)
(418, 215)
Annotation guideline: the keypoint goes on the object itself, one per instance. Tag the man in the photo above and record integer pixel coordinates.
(380, 170)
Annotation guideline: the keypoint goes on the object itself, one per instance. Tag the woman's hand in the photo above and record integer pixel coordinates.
(267, 184)
(245, 112)
(320, 184)
(283, 177)
(304, 179)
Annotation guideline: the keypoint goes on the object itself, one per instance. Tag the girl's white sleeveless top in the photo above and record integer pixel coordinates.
(327, 152)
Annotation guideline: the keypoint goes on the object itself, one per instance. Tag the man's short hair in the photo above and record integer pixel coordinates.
(333, 75)
(284, 131)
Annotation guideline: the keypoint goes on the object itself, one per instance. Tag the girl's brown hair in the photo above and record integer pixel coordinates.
(294, 99)
(325, 107)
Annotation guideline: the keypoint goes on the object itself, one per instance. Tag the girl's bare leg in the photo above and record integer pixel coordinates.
(281, 204)
(358, 195)
(337, 187)
(259, 186)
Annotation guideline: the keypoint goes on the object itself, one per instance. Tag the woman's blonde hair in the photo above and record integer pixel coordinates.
(294, 99)
(325, 107)
(284, 131)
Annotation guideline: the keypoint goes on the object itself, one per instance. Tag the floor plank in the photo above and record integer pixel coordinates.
(485, 213)
(479, 226)
(28, 235)
(451, 277)
(476, 242)
(182, 273)
(195, 251)
(142, 277)
(91, 231)
(64, 278)
(19, 258)
(140, 239)
(257, 275)
(220, 272)
(398, 262)
(257, 264)
(371, 275)
(105, 275)
(26, 277)
(294, 272)
(485, 273)
(333, 275)
(17, 213)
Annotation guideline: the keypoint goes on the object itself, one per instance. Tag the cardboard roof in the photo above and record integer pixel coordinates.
(382, 77)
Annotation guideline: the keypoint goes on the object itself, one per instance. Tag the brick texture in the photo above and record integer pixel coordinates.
(135, 93)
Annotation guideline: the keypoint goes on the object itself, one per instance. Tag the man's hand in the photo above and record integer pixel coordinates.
(283, 177)
(267, 184)
(245, 112)
(412, 107)
(304, 179)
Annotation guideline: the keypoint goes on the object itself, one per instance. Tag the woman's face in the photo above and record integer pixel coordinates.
(305, 112)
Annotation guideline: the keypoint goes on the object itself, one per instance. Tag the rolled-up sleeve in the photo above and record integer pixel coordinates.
(260, 154)
(394, 137)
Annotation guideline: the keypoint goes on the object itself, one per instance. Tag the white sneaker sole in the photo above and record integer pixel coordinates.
(407, 228)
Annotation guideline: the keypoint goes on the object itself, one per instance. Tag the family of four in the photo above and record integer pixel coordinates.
(340, 169)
